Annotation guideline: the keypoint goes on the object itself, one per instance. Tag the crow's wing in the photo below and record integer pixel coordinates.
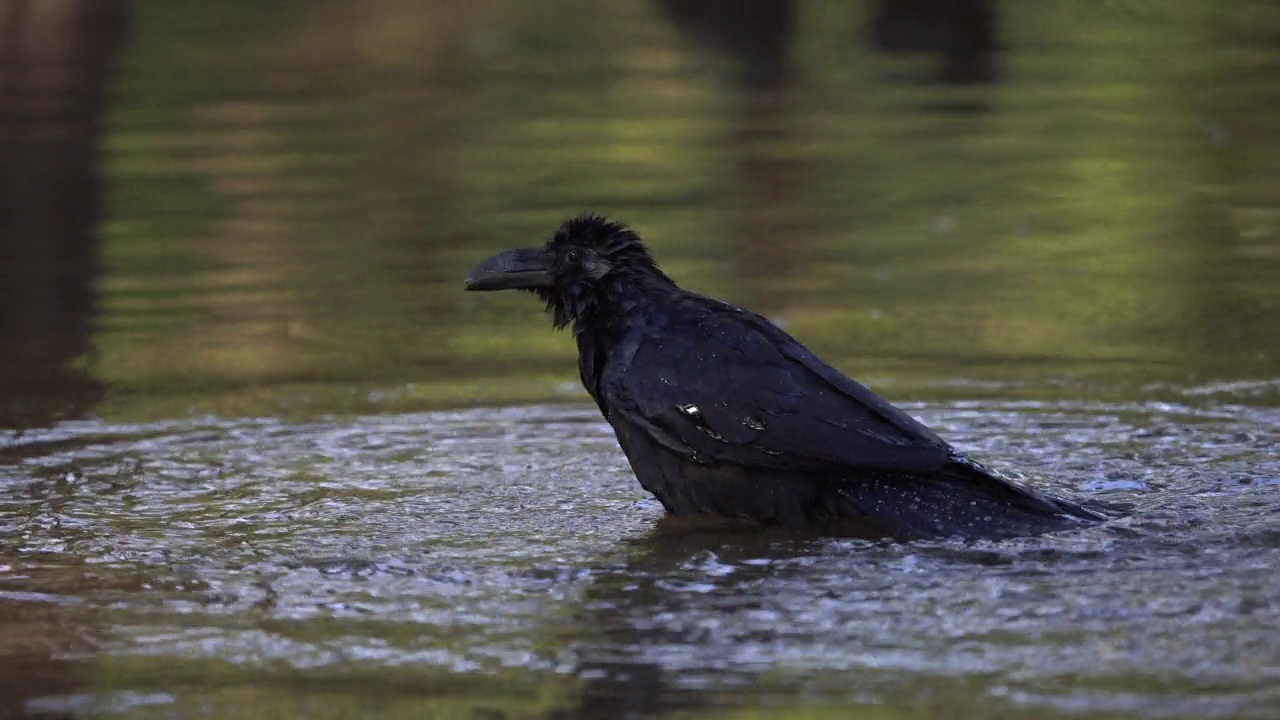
(728, 386)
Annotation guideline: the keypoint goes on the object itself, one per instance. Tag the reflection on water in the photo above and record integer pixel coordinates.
(54, 66)
(238, 481)
(294, 198)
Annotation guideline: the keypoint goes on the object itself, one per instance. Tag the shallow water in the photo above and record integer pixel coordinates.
(263, 458)
(506, 559)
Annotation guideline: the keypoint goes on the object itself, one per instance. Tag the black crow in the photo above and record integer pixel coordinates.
(721, 412)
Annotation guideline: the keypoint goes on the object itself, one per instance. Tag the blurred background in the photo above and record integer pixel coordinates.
(253, 211)
(267, 206)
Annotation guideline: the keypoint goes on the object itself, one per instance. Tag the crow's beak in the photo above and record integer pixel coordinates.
(523, 268)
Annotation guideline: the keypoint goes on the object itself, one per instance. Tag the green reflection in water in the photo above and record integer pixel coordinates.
(296, 194)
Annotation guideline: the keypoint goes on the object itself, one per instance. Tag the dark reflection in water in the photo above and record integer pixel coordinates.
(54, 70)
(1055, 227)
(754, 33)
(961, 32)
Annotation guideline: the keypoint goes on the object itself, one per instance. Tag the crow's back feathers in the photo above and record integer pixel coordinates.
(720, 384)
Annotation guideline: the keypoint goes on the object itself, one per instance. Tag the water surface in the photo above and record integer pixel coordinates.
(281, 465)
(506, 559)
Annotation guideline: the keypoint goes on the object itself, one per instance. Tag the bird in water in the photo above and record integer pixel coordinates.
(721, 412)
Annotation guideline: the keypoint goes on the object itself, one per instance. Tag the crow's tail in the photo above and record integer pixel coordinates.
(962, 499)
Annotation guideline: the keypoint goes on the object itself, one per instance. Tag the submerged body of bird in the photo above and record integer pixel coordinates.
(721, 412)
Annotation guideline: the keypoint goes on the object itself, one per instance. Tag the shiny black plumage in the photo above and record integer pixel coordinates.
(720, 411)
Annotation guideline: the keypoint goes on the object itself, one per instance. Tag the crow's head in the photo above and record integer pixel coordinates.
(588, 263)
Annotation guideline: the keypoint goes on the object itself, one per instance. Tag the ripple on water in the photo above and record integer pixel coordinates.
(481, 540)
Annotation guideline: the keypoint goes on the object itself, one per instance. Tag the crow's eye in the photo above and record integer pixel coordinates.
(574, 255)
